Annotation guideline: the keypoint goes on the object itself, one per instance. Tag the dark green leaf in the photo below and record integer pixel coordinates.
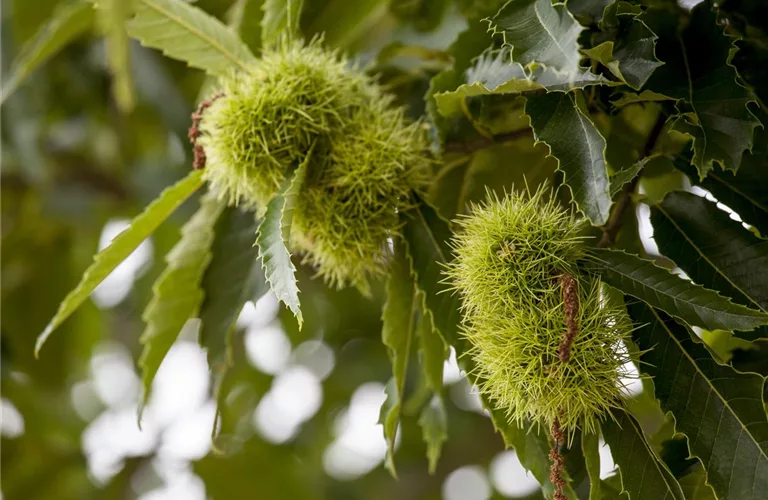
(188, 34)
(643, 475)
(121, 247)
(560, 121)
(177, 295)
(433, 355)
(281, 17)
(233, 277)
(697, 72)
(398, 330)
(540, 32)
(589, 8)
(713, 249)
(426, 237)
(745, 192)
(719, 409)
(629, 52)
(692, 303)
(67, 23)
(590, 447)
(273, 236)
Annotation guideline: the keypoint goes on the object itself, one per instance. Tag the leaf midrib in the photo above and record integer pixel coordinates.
(712, 387)
(704, 256)
(200, 34)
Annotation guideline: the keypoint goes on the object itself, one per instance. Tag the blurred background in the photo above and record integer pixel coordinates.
(75, 170)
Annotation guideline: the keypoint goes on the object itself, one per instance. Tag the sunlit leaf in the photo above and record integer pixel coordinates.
(281, 17)
(121, 247)
(177, 294)
(273, 236)
(186, 33)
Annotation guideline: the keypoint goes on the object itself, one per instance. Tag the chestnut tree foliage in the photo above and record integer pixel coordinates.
(637, 116)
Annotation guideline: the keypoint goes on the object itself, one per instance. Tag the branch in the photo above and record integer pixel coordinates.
(613, 226)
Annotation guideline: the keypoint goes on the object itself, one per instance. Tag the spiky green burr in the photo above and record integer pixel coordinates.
(367, 160)
(516, 270)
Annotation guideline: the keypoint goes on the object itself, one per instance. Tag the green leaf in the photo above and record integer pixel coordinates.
(246, 20)
(233, 277)
(494, 74)
(121, 247)
(590, 448)
(114, 15)
(434, 352)
(434, 426)
(713, 249)
(746, 191)
(397, 333)
(643, 475)
(720, 410)
(588, 8)
(177, 295)
(622, 177)
(389, 418)
(697, 72)
(188, 34)
(273, 236)
(561, 122)
(629, 53)
(540, 33)
(342, 22)
(67, 24)
(281, 17)
(426, 237)
(692, 303)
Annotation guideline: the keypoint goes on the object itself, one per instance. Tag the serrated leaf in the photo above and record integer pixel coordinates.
(712, 104)
(622, 177)
(560, 121)
(186, 33)
(746, 191)
(690, 302)
(426, 236)
(493, 74)
(643, 474)
(713, 249)
(434, 427)
(233, 277)
(389, 418)
(629, 53)
(433, 352)
(720, 410)
(114, 15)
(281, 17)
(590, 448)
(273, 236)
(588, 8)
(398, 330)
(177, 295)
(121, 247)
(67, 23)
(540, 33)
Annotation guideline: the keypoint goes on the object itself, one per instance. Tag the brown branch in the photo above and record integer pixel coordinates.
(613, 226)
(194, 132)
(473, 145)
(558, 462)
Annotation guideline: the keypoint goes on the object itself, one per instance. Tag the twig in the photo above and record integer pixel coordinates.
(613, 226)
(558, 462)
(570, 291)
